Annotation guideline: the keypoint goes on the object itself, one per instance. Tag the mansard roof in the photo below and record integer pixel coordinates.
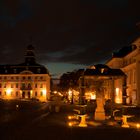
(123, 51)
(103, 70)
(19, 68)
(29, 64)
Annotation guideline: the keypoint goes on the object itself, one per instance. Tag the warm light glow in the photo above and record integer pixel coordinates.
(44, 92)
(90, 95)
(93, 96)
(118, 96)
(8, 91)
(70, 92)
(70, 124)
(69, 117)
(60, 94)
(55, 92)
(138, 125)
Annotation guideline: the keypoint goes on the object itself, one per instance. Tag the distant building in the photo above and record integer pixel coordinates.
(128, 60)
(28, 80)
(97, 80)
(100, 80)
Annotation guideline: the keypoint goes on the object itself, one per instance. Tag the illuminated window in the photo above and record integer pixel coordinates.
(118, 96)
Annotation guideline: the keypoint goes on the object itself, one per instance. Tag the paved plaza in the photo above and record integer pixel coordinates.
(35, 121)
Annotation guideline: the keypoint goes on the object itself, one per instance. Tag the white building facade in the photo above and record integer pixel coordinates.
(128, 60)
(28, 80)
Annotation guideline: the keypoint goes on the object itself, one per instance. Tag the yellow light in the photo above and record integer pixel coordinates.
(93, 97)
(69, 92)
(70, 124)
(8, 91)
(55, 92)
(138, 125)
(118, 97)
(44, 92)
(69, 117)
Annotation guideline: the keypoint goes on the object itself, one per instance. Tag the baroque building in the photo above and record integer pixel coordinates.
(128, 60)
(28, 80)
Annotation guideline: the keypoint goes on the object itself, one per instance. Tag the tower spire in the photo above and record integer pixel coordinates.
(30, 56)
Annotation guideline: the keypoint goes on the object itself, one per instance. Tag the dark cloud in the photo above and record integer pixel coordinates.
(78, 31)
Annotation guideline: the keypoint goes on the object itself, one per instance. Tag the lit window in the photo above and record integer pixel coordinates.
(118, 96)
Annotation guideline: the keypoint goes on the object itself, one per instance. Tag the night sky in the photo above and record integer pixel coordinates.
(67, 34)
